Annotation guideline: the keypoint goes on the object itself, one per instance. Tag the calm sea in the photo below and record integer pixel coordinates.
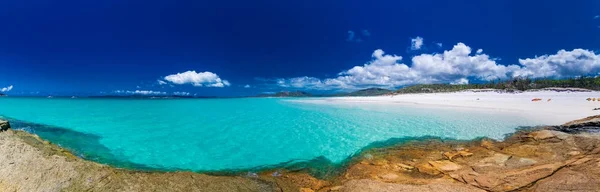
(224, 134)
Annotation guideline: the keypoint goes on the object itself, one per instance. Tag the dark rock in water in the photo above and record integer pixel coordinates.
(4, 125)
(589, 124)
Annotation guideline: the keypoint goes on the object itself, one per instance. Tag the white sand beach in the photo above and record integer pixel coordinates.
(554, 107)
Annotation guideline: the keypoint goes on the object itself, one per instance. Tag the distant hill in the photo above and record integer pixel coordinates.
(367, 92)
(149, 96)
(287, 94)
(363, 92)
(2, 95)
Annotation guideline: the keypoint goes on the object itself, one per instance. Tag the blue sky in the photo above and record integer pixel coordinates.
(230, 48)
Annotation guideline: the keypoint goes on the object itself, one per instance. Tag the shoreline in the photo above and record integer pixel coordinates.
(554, 107)
(422, 165)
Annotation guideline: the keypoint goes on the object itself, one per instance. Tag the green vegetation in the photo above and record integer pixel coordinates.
(520, 84)
(516, 84)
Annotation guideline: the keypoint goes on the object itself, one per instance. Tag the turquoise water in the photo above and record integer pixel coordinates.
(224, 134)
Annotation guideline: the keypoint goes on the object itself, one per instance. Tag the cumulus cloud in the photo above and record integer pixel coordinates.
(140, 92)
(181, 93)
(562, 64)
(6, 89)
(416, 43)
(458, 65)
(461, 81)
(203, 79)
(247, 86)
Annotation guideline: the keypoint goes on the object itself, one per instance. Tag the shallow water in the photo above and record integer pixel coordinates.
(225, 134)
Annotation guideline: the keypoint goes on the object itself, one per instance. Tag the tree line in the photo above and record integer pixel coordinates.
(515, 84)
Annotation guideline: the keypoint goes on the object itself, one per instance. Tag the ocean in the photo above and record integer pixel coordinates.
(237, 134)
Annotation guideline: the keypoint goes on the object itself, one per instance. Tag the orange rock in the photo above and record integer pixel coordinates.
(445, 165)
(427, 169)
(389, 176)
(405, 166)
(451, 155)
(487, 144)
(541, 135)
(306, 190)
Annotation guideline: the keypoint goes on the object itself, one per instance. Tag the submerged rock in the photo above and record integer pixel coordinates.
(4, 125)
(29, 164)
(589, 124)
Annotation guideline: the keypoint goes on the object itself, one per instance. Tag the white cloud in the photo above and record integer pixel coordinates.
(461, 81)
(203, 79)
(439, 44)
(181, 93)
(140, 92)
(6, 89)
(562, 64)
(161, 82)
(416, 43)
(458, 63)
(247, 86)
(457, 66)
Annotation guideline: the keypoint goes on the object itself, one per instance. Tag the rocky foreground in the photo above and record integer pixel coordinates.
(560, 158)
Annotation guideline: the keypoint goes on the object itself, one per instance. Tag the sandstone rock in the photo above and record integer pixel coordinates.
(497, 158)
(581, 177)
(445, 165)
(445, 185)
(451, 155)
(515, 179)
(306, 190)
(588, 121)
(4, 125)
(581, 161)
(405, 166)
(427, 169)
(487, 144)
(516, 162)
(541, 135)
(582, 125)
(304, 180)
(335, 188)
(527, 161)
(573, 153)
(389, 176)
